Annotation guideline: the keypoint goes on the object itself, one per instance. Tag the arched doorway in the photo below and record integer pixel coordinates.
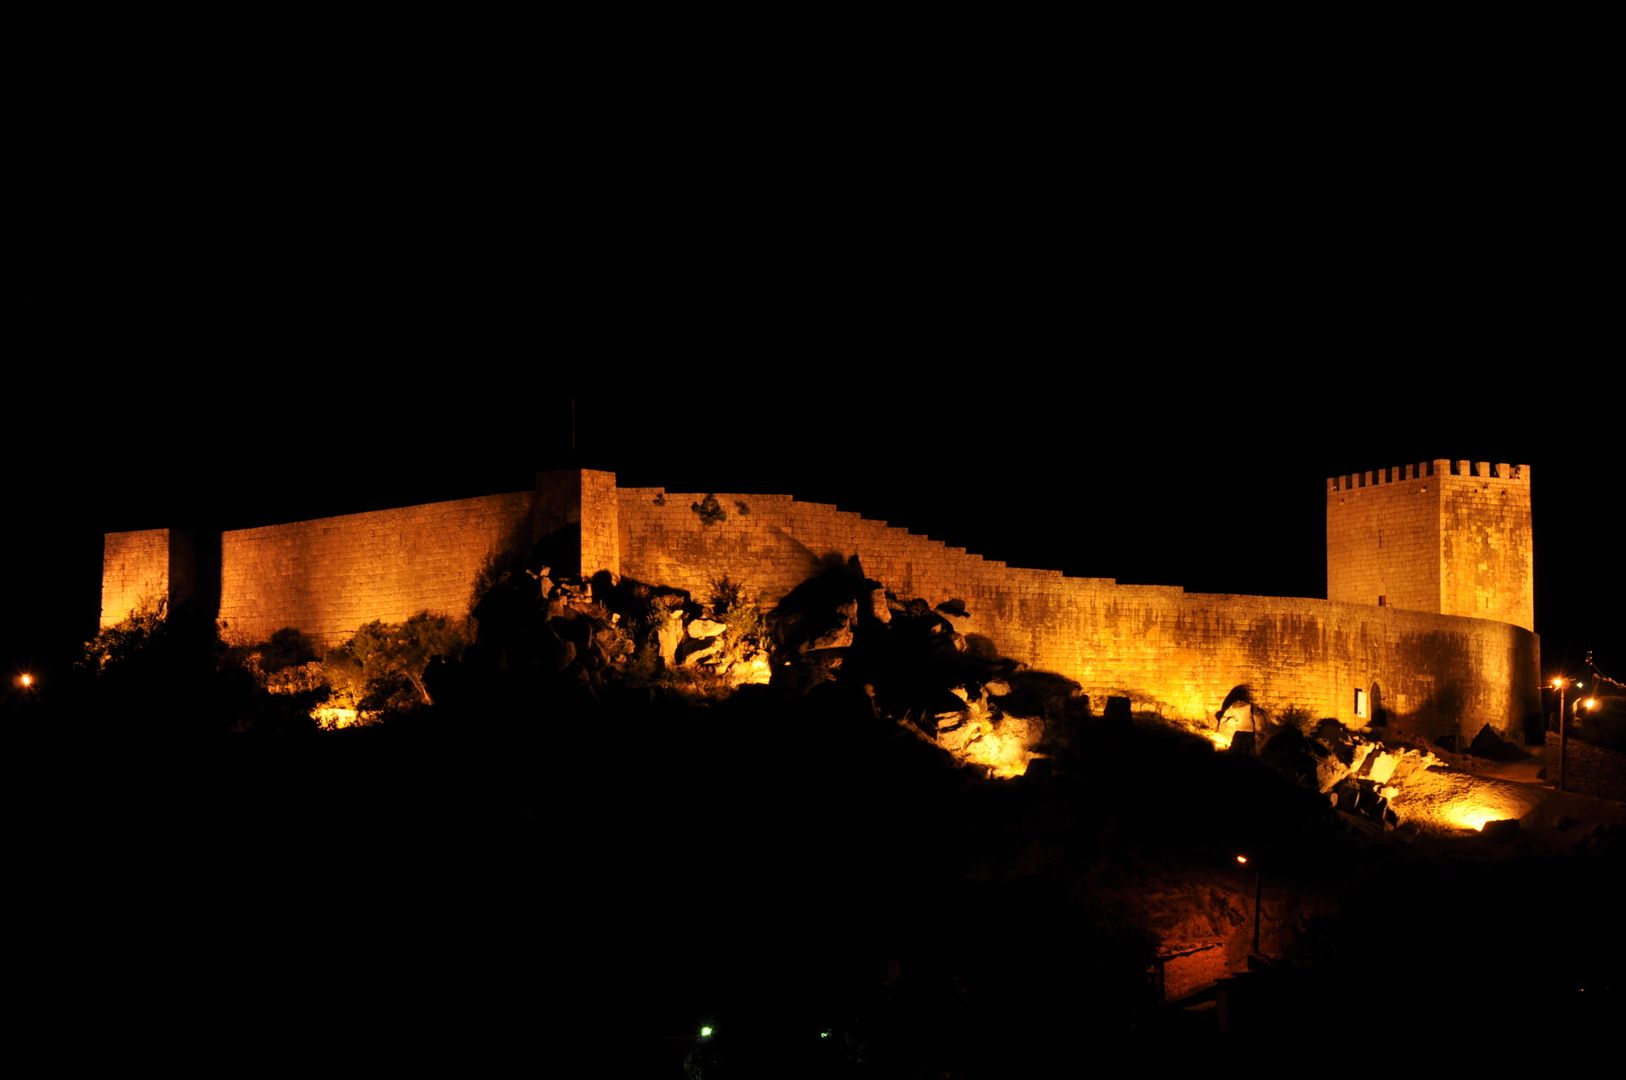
(1380, 715)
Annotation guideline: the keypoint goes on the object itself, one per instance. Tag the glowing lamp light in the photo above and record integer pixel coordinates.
(26, 680)
(1591, 703)
(824, 1034)
(705, 1031)
(1242, 860)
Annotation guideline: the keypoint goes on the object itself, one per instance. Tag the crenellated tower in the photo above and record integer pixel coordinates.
(1449, 537)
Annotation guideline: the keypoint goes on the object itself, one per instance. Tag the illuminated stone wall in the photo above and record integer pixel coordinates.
(1171, 652)
(1383, 537)
(135, 570)
(1448, 537)
(328, 577)
(1591, 770)
(775, 542)
(1487, 563)
(600, 516)
(1179, 653)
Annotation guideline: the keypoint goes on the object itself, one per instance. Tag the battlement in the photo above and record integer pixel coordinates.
(786, 512)
(1445, 536)
(1422, 470)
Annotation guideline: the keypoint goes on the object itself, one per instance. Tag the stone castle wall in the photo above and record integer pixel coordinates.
(1449, 537)
(135, 572)
(1591, 770)
(1172, 652)
(1486, 548)
(1383, 538)
(329, 576)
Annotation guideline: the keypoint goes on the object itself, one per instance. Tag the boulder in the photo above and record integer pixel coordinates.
(1488, 744)
(1378, 765)
(1301, 758)
(840, 637)
(668, 636)
(693, 653)
(954, 730)
(756, 671)
(1336, 738)
(701, 629)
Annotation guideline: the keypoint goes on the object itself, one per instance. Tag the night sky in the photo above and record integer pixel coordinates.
(1195, 467)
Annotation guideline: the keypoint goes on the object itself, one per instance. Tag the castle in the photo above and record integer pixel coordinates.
(1428, 621)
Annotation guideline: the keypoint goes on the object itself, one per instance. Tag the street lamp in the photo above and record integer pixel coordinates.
(1561, 684)
(1258, 892)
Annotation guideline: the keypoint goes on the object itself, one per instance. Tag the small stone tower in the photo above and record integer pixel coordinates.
(1450, 537)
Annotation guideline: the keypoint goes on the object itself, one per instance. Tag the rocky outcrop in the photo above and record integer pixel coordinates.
(842, 628)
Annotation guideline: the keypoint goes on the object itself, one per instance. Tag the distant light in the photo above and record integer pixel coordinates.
(1557, 683)
(824, 1034)
(1579, 685)
(1242, 860)
(27, 681)
(1591, 703)
(705, 1031)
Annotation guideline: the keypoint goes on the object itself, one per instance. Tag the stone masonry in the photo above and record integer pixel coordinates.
(1450, 647)
(1449, 537)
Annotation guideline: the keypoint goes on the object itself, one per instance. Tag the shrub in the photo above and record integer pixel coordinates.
(731, 602)
(710, 510)
(381, 667)
(154, 674)
(127, 640)
(287, 648)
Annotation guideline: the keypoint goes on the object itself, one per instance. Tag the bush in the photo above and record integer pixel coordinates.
(287, 648)
(381, 667)
(157, 675)
(129, 640)
(710, 510)
(732, 603)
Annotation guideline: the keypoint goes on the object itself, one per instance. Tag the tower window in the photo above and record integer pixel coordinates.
(1360, 702)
